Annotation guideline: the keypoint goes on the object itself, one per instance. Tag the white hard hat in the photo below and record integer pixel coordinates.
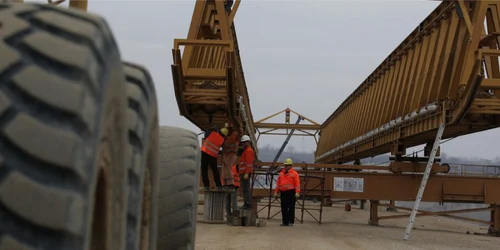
(245, 138)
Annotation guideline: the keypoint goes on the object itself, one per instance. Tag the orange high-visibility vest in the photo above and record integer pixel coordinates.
(288, 181)
(246, 161)
(231, 143)
(212, 144)
(236, 177)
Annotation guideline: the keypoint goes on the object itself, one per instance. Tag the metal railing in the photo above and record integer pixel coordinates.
(474, 170)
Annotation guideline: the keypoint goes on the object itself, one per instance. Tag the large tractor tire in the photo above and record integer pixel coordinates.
(142, 120)
(63, 133)
(179, 177)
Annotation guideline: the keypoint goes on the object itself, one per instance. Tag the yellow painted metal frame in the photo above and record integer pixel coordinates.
(306, 129)
(208, 76)
(449, 64)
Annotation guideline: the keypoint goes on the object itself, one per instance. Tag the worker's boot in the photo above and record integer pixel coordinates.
(246, 207)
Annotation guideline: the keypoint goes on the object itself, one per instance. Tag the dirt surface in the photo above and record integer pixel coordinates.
(344, 230)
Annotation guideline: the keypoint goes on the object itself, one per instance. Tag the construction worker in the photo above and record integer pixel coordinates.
(246, 169)
(288, 188)
(232, 197)
(209, 154)
(229, 151)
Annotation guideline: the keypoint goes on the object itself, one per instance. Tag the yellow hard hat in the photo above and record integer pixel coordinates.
(224, 131)
(288, 161)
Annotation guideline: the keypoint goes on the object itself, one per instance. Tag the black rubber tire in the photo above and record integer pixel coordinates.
(62, 131)
(142, 120)
(179, 177)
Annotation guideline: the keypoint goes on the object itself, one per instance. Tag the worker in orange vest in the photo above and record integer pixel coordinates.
(209, 154)
(246, 169)
(232, 197)
(229, 151)
(288, 188)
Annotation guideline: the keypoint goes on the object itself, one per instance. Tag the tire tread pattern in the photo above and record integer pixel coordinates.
(141, 111)
(52, 83)
(178, 198)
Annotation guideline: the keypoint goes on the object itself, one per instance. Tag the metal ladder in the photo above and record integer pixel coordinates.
(420, 193)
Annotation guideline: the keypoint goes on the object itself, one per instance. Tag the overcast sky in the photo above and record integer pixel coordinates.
(307, 55)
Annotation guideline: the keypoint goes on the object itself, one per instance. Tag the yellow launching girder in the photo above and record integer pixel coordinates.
(447, 68)
(208, 78)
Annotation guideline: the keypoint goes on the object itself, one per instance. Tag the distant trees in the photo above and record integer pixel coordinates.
(268, 152)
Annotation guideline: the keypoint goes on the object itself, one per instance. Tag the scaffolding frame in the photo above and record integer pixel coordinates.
(306, 189)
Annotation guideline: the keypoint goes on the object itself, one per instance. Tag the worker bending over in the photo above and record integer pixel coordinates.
(246, 169)
(209, 154)
(229, 151)
(232, 197)
(288, 188)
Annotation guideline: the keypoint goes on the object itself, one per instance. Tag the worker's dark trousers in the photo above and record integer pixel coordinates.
(288, 206)
(206, 161)
(246, 192)
(231, 201)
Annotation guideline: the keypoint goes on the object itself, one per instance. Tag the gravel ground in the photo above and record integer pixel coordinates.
(345, 230)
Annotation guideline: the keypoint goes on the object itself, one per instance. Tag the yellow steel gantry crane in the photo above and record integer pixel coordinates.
(80, 162)
(441, 82)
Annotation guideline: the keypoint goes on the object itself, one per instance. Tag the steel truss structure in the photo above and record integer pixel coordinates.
(447, 65)
(374, 218)
(208, 77)
(446, 70)
(273, 128)
(441, 188)
(310, 129)
(312, 186)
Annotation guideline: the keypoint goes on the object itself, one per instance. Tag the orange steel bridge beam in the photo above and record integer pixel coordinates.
(404, 187)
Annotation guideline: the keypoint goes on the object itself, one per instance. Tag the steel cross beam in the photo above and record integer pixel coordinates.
(282, 148)
(264, 127)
